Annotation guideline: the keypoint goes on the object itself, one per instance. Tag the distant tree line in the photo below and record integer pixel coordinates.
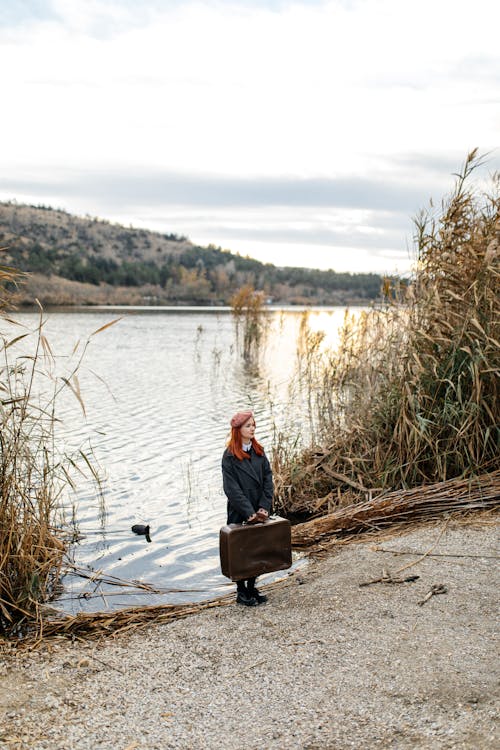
(211, 270)
(95, 252)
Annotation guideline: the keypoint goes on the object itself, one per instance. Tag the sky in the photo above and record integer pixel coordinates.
(302, 133)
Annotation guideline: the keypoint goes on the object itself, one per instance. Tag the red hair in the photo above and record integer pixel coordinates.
(235, 445)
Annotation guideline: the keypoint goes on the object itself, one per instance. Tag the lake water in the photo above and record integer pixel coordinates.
(159, 388)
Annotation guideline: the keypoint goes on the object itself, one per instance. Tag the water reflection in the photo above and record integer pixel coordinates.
(159, 388)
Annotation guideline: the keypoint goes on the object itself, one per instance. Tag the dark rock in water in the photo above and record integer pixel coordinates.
(139, 528)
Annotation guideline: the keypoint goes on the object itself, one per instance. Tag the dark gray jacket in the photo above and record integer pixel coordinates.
(248, 485)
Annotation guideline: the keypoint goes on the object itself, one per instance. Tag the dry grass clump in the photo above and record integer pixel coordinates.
(30, 553)
(411, 395)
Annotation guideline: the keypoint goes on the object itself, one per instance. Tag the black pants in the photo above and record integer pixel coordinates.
(247, 585)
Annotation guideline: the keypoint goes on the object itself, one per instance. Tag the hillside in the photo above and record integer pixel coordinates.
(74, 260)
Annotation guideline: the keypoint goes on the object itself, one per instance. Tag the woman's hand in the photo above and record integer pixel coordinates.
(259, 517)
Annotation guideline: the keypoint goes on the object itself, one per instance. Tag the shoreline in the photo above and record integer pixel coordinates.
(325, 664)
(193, 308)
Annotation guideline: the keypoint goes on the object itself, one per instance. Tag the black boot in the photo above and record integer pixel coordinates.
(259, 598)
(243, 596)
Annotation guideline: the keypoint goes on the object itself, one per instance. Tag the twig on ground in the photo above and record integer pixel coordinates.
(437, 588)
(104, 663)
(390, 579)
(415, 562)
(245, 669)
(435, 554)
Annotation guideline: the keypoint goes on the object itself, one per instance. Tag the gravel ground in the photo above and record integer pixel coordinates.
(325, 665)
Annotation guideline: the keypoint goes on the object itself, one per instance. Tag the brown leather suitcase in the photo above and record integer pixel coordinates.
(248, 550)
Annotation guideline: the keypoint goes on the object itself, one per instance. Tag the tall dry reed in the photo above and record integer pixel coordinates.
(411, 395)
(248, 309)
(35, 471)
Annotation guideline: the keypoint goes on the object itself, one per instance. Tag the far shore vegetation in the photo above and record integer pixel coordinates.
(409, 399)
(79, 261)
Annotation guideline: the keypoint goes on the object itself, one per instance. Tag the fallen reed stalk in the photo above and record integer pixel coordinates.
(403, 507)
(119, 622)
(125, 620)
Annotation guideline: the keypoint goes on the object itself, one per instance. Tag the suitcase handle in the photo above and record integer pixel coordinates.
(254, 523)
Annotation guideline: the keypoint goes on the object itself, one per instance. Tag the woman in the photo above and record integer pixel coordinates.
(248, 484)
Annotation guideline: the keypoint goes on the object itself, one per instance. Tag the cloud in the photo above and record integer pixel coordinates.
(309, 217)
(307, 88)
(284, 221)
(320, 124)
(170, 188)
(312, 235)
(105, 19)
(16, 12)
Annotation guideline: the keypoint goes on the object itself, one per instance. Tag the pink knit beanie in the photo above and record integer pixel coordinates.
(240, 418)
